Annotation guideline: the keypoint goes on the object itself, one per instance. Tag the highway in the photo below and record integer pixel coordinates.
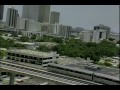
(33, 72)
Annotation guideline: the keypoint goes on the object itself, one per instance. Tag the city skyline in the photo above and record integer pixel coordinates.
(86, 16)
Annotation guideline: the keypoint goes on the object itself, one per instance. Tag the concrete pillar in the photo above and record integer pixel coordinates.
(12, 78)
(0, 76)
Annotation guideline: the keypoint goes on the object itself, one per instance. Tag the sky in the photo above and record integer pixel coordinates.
(86, 16)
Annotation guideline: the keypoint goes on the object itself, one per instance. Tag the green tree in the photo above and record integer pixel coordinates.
(43, 48)
(118, 42)
(77, 48)
(57, 40)
(33, 37)
(107, 64)
(19, 46)
(2, 54)
(24, 39)
(111, 39)
(14, 34)
(6, 43)
(19, 33)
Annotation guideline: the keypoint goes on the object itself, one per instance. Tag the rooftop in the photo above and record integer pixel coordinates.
(25, 43)
(46, 43)
(31, 52)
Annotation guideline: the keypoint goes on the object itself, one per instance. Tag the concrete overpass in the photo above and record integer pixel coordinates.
(33, 72)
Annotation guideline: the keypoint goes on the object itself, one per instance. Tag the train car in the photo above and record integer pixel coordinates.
(66, 70)
(106, 79)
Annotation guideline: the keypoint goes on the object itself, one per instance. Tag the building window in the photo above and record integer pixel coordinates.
(100, 35)
(8, 57)
(40, 58)
(21, 60)
(13, 54)
(9, 53)
(50, 58)
(35, 58)
(26, 56)
(22, 56)
(17, 55)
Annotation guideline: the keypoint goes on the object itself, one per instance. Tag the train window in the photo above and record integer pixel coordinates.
(110, 79)
(107, 79)
(78, 72)
(69, 70)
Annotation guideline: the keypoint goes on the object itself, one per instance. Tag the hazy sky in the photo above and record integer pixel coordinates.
(85, 16)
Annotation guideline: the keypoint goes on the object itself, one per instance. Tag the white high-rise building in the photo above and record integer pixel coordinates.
(38, 13)
(99, 35)
(62, 30)
(30, 12)
(86, 36)
(54, 17)
(92, 35)
(11, 18)
(103, 27)
(1, 11)
(44, 13)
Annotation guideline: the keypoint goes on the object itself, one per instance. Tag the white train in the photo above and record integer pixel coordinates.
(84, 74)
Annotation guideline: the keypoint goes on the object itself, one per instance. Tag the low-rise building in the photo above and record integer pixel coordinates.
(30, 56)
(62, 30)
(48, 44)
(8, 30)
(115, 36)
(30, 46)
(30, 33)
(92, 35)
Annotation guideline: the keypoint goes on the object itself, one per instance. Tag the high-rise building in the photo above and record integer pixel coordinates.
(62, 30)
(30, 12)
(1, 11)
(44, 13)
(103, 27)
(38, 13)
(54, 17)
(11, 19)
(99, 35)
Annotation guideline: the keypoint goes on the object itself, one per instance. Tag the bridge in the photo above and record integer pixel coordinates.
(59, 79)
